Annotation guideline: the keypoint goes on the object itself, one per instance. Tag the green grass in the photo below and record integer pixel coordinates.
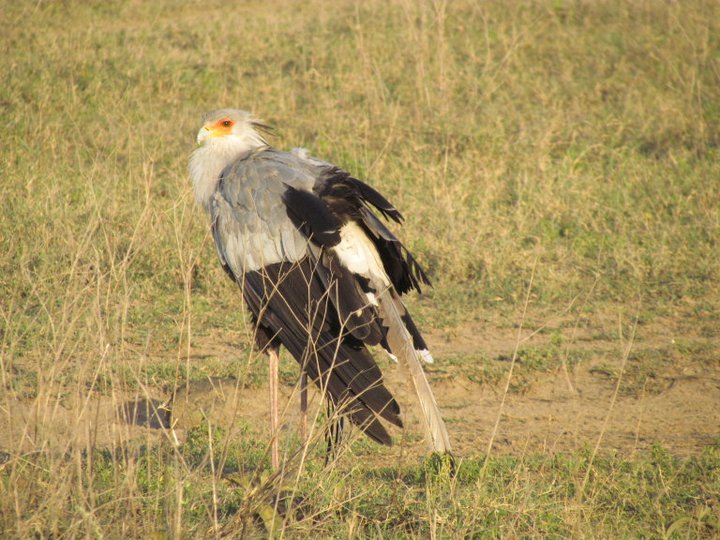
(549, 496)
(574, 146)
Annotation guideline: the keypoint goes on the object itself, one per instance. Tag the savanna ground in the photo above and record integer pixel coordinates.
(558, 164)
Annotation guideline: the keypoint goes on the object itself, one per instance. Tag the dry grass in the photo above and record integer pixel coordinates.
(578, 139)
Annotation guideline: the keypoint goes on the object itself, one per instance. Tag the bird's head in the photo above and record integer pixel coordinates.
(225, 135)
(232, 128)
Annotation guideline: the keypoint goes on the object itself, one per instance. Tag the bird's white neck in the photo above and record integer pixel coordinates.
(209, 160)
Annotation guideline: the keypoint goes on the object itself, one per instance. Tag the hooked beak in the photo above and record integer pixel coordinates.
(203, 135)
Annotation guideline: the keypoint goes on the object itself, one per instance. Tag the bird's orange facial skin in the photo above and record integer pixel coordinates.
(222, 127)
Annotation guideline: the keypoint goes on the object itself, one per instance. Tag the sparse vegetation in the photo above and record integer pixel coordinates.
(558, 164)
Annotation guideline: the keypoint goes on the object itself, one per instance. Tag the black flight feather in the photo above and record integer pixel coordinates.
(291, 303)
(314, 218)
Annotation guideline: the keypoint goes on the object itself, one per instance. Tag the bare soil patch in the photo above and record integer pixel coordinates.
(572, 403)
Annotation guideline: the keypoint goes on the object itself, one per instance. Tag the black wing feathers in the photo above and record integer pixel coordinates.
(337, 186)
(401, 267)
(291, 303)
(351, 197)
(321, 225)
(312, 216)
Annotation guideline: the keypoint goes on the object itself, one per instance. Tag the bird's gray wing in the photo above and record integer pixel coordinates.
(251, 227)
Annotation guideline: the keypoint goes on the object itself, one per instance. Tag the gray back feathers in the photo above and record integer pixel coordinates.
(249, 217)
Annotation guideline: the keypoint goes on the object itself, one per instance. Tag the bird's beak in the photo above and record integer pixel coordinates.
(203, 135)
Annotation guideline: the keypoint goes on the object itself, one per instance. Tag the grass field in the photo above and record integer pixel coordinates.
(558, 164)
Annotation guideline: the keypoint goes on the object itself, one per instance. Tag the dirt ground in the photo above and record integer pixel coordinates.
(676, 402)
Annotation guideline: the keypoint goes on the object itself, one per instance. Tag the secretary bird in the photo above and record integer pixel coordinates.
(319, 272)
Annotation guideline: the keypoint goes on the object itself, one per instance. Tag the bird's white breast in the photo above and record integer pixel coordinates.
(209, 160)
(206, 164)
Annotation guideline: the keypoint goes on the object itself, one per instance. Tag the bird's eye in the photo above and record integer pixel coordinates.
(227, 123)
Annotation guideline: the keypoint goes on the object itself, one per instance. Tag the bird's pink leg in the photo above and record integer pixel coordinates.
(274, 415)
(303, 407)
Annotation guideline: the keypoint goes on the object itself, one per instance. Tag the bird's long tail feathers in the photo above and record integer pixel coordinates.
(401, 345)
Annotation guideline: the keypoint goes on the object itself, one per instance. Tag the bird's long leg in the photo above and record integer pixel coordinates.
(303, 407)
(274, 416)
